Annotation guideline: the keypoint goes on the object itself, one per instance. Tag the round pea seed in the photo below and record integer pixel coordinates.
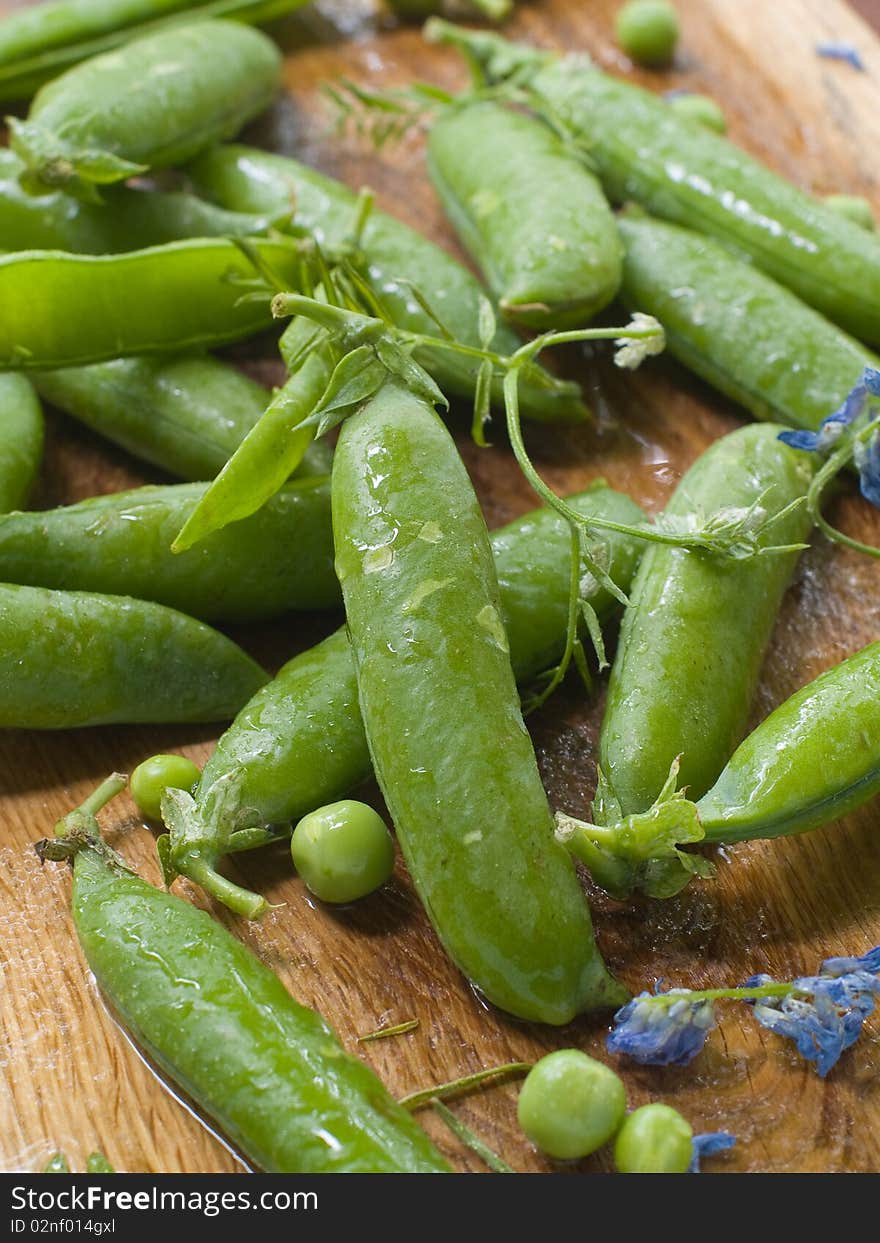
(655, 1139)
(699, 108)
(153, 776)
(854, 207)
(647, 30)
(342, 851)
(570, 1104)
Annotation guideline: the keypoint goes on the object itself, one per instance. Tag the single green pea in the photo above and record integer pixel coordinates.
(156, 774)
(655, 1139)
(647, 30)
(570, 1104)
(854, 207)
(342, 851)
(699, 108)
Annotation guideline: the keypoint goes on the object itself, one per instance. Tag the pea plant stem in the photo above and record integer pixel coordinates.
(458, 1087)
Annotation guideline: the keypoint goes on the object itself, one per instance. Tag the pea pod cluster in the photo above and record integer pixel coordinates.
(42, 41)
(397, 260)
(643, 151)
(529, 211)
(155, 103)
(222, 1026)
(299, 742)
(450, 751)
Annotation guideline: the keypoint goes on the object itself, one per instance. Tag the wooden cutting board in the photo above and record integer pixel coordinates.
(72, 1080)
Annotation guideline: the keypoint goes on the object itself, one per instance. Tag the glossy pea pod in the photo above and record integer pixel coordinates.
(21, 440)
(279, 559)
(186, 413)
(442, 716)
(300, 741)
(267, 1070)
(62, 310)
(128, 219)
(42, 41)
(156, 102)
(76, 658)
(644, 152)
(397, 259)
(529, 211)
(813, 759)
(695, 632)
(736, 328)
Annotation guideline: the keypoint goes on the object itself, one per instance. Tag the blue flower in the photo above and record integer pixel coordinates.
(661, 1033)
(707, 1145)
(830, 430)
(824, 1014)
(841, 51)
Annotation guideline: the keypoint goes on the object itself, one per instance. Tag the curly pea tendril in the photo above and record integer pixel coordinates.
(823, 1014)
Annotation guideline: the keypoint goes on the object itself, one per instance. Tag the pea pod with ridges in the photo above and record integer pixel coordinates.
(128, 219)
(267, 1070)
(300, 741)
(695, 632)
(185, 413)
(644, 152)
(244, 179)
(43, 40)
(63, 310)
(21, 440)
(529, 211)
(442, 718)
(76, 658)
(156, 102)
(749, 337)
(813, 759)
(279, 559)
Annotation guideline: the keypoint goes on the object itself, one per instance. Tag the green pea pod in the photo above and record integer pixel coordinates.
(397, 260)
(61, 310)
(156, 102)
(185, 413)
(697, 626)
(127, 220)
(267, 1070)
(750, 338)
(300, 741)
(418, 10)
(643, 151)
(43, 40)
(812, 760)
(21, 440)
(442, 717)
(75, 658)
(529, 211)
(280, 559)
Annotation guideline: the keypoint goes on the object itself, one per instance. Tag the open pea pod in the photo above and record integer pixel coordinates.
(63, 310)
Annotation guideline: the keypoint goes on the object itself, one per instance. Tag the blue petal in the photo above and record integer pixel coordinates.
(655, 1034)
(707, 1145)
(824, 1016)
(869, 962)
(871, 380)
(841, 51)
(800, 440)
(869, 471)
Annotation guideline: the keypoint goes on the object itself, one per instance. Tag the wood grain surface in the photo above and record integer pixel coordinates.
(72, 1080)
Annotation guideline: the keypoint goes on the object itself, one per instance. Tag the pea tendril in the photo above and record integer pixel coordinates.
(467, 1083)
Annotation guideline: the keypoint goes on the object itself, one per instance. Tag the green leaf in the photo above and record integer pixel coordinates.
(486, 324)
